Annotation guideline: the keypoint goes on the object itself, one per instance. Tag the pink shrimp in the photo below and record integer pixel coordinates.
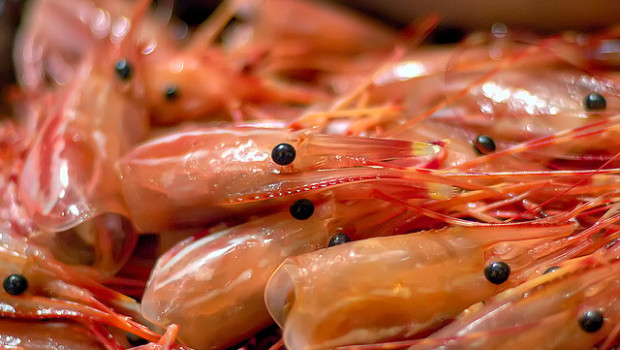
(400, 287)
(68, 174)
(523, 102)
(50, 290)
(56, 35)
(219, 278)
(200, 79)
(68, 177)
(573, 307)
(116, 236)
(533, 88)
(208, 175)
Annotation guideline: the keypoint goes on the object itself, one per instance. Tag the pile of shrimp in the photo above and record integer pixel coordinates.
(289, 162)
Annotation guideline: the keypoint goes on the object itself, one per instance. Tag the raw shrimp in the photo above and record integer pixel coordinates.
(399, 287)
(56, 35)
(208, 175)
(529, 93)
(538, 95)
(74, 246)
(199, 79)
(549, 312)
(68, 177)
(219, 278)
(54, 291)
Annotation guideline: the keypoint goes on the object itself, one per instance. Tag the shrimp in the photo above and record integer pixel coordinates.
(203, 176)
(219, 278)
(524, 102)
(56, 35)
(49, 290)
(200, 79)
(69, 247)
(529, 93)
(399, 287)
(575, 307)
(68, 174)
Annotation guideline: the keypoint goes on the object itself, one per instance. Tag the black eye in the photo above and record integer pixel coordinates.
(497, 272)
(591, 321)
(135, 340)
(15, 284)
(551, 269)
(484, 144)
(123, 69)
(302, 209)
(338, 239)
(171, 93)
(283, 154)
(595, 102)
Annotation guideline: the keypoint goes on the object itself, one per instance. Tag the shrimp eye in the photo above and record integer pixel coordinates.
(123, 69)
(171, 93)
(135, 340)
(338, 239)
(484, 144)
(551, 269)
(595, 102)
(591, 321)
(15, 284)
(497, 272)
(283, 154)
(302, 209)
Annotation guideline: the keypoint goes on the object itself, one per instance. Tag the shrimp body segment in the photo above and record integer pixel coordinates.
(202, 176)
(397, 287)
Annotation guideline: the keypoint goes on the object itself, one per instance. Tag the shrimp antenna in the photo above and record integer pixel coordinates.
(420, 29)
(565, 191)
(277, 345)
(208, 31)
